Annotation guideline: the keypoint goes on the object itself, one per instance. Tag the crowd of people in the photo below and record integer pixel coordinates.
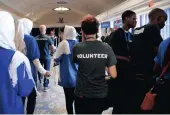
(133, 62)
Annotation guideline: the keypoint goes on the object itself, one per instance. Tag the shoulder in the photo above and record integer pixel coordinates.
(63, 42)
(48, 37)
(79, 45)
(30, 38)
(37, 36)
(106, 46)
(152, 27)
(165, 43)
(117, 31)
(19, 58)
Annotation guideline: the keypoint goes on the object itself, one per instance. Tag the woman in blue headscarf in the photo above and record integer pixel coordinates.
(16, 77)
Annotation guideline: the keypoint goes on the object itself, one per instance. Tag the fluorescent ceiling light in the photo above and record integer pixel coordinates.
(61, 9)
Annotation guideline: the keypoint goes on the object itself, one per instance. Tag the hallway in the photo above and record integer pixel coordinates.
(53, 101)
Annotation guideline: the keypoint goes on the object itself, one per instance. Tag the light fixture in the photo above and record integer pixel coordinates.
(61, 8)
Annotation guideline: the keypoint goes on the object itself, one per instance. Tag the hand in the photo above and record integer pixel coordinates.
(47, 74)
(55, 63)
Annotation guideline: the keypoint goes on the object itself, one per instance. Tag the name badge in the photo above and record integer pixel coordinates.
(130, 40)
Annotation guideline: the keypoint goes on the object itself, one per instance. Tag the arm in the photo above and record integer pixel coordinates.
(111, 63)
(39, 67)
(156, 37)
(51, 43)
(34, 56)
(74, 55)
(158, 60)
(112, 71)
(60, 51)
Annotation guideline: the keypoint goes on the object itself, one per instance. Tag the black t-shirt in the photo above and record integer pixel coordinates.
(44, 43)
(92, 58)
(146, 39)
(121, 42)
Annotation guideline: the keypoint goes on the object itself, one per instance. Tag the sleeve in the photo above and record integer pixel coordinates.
(39, 66)
(33, 50)
(50, 41)
(74, 55)
(158, 58)
(59, 51)
(113, 40)
(24, 85)
(111, 58)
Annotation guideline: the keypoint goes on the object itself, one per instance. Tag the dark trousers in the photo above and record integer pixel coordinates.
(121, 96)
(31, 102)
(69, 97)
(162, 102)
(122, 90)
(142, 86)
(89, 106)
(46, 63)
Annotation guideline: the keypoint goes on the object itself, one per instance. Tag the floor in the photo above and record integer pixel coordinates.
(53, 101)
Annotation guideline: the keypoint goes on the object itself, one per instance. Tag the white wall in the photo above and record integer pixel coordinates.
(139, 6)
(57, 25)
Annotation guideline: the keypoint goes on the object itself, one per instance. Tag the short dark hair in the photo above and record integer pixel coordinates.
(90, 25)
(62, 29)
(156, 12)
(127, 13)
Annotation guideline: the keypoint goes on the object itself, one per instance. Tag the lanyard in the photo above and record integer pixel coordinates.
(128, 39)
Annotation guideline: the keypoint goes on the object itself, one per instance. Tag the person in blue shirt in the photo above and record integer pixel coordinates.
(46, 46)
(161, 60)
(16, 77)
(27, 44)
(68, 70)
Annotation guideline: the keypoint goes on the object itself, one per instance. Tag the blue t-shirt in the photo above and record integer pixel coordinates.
(32, 53)
(44, 43)
(161, 53)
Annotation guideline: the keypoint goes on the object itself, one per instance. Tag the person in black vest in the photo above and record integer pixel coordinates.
(145, 44)
(120, 89)
(45, 44)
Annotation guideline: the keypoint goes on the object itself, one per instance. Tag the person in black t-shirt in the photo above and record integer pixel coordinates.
(45, 44)
(120, 40)
(93, 57)
(145, 44)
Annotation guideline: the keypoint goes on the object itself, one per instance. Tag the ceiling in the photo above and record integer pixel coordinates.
(40, 11)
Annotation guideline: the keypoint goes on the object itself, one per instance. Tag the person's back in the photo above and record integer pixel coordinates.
(44, 43)
(30, 42)
(12, 86)
(16, 78)
(68, 69)
(92, 57)
(63, 56)
(7, 92)
(145, 39)
(144, 48)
